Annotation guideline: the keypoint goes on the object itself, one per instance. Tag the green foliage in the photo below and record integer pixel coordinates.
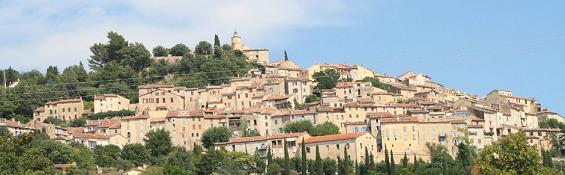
(326, 128)
(179, 50)
(214, 135)
(136, 153)
(299, 126)
(465, 156)
(405, 161)
(510, 155)
(329, 166)
(118, 51)
(106, 156)
(375, 83)
(180, 159)
(551, 123)
(297, 105)
(311, 98)
(547, 160)
(110, 114)
(303, 162)
(326, 79)
(158, 142)
(80, 122)
(160, 51)
(273, 169)
(4, 132)
(54, 121)
(210, 162)
(286, 164)
(203, 48)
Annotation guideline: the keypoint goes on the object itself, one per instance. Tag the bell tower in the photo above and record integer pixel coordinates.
(236, 42)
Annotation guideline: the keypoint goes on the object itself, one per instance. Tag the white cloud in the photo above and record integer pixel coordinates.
(41, 33)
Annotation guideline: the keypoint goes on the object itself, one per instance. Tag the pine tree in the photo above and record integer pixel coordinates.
(392, 166)
(303, 156)
(318, 162)
(387, 162)
(286, 160)
(405, 161)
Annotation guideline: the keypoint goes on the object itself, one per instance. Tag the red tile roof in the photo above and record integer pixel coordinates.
(135, 117)
(335, 137)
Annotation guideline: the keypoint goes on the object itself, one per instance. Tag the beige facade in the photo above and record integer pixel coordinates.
(134, 128)
(161, 97)
(110, 102)
(254, 55)
(355, 72)
(261, 144)
(66, 110)
(334, 146)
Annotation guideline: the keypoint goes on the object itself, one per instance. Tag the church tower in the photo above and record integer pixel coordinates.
(236, 42)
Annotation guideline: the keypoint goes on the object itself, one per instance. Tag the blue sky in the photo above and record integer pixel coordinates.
(475, 46)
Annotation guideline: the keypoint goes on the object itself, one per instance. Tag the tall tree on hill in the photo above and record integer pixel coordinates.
(303, 157)
(136, 56)
(286, 159)
(179, 50)
(285, 56)
(326, 79)
(217, 40)
(203, 48)
(160, 51)
(103, 54)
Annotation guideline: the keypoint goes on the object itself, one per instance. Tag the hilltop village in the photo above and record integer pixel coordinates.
(373, 112)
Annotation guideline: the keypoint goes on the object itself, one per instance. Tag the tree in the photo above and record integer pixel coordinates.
(465, 157)
(510, 155)
(326, 79)
(214, 135)
(286, 165)
(179, 50)
(160, 51)
(392, 166)
(103, 54)
(547, 161)
(415, 163)
(136, 56)
(80, 122)
(158, 142)
(136, 153)
(285, 56)
(4, 131)
(181, 159)
(329, 166)
(375, 83)
(405, 161)
(326, 128)
(273, 169)
(106, 156)
(299, 126)
(303, 156)
(210, 162)
(311, 98)
(217, 40)
(203, 48)
(318, 170)
(387, 162)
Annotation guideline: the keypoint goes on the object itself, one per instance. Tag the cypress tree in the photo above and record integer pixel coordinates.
(286, 160)
(405, 161)
(415, 163)
(346, 161)
(371, 161)
(392, 166)
(318, 162)
(387, 162)
(339, 166)
(303, 156)
(357, 168)
(285, 56)
(269, 156)
(217, 40)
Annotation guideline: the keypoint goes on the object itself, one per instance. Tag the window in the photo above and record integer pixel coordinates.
(307, 149)
(171, 100)
(156, 100)
(337, 146)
